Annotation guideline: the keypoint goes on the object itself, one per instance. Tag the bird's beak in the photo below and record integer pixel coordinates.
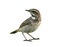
(27, 10)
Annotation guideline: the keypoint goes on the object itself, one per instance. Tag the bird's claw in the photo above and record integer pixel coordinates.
(35, 39)
(27, 40)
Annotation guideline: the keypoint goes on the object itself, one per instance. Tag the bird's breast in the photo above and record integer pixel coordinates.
(34, 26)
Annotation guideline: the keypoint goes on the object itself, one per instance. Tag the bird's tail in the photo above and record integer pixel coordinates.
(14, 32)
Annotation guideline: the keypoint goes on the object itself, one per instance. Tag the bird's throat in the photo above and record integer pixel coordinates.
(33, 17)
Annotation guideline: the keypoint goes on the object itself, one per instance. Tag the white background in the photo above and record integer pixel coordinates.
(12, 14)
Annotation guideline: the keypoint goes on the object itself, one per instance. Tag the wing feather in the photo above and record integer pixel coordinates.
(26, 22)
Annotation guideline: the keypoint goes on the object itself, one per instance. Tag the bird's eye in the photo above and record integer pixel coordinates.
(34, 12)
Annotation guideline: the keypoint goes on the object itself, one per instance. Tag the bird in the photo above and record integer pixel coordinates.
(30, 24)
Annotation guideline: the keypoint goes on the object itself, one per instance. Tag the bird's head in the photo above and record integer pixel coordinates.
(35, 13)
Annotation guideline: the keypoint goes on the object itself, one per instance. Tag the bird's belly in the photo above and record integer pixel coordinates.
(29, 28)
(34, 27)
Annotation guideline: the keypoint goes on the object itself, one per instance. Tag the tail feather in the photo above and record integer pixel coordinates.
(14, 32)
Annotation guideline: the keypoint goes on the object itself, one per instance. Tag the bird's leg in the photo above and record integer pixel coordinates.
(25, 37)
(33, 37)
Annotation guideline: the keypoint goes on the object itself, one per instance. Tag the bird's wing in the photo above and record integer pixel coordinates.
(26, 22)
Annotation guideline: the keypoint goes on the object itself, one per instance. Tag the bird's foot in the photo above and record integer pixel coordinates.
(35, 39)
(27, 40)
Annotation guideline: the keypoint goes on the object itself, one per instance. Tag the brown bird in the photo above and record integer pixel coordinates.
(30, 25)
